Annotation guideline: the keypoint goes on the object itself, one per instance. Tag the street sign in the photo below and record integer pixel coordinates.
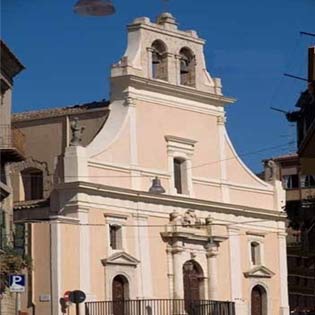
(17, 283)
(77, 296)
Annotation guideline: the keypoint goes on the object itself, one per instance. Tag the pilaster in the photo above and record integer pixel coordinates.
(283, 271)
(177, 251)
(75, 164)
(211, 254)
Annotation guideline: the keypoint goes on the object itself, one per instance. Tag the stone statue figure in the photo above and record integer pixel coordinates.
(77, 131)
(271, 170)
(190, 218)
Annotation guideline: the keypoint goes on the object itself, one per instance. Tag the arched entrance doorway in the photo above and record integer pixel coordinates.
(193, 281)
(120, 292)
(258, 301)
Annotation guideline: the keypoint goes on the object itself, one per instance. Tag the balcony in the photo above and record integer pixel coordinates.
(160, 307)
(12, 144)
(306, 145)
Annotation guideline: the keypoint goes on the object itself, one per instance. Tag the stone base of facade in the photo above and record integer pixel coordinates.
(8, 304)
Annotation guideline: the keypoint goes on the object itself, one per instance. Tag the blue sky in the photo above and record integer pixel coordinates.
(250, 44)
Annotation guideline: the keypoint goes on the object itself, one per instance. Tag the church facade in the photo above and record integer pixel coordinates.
(207, 229)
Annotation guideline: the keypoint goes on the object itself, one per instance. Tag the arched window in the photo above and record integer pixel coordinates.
(159, 60)
(258, 301)
(120, 293)
(33, 183)
(187, 67)
(193, 283)
(255, 253)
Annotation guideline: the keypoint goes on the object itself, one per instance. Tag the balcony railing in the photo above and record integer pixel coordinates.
(160, 307)
(12, 139)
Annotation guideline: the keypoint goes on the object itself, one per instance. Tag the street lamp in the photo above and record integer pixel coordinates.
(94, 7)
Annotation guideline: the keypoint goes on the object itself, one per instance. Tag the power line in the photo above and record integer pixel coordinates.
(196, 225)
(278, 146)
(164, 226)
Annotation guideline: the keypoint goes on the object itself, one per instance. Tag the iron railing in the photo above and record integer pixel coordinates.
(160, 307)
(12, 138)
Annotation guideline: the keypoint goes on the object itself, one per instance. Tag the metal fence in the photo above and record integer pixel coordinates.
(12, 138)
(160, 307)
(5, 135)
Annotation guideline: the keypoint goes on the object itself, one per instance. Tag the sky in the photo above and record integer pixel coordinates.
(249, 45)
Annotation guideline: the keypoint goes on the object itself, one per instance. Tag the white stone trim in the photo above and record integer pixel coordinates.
(283, 274)
(235, 265)
(175, 102)
(225, 192)
(259, 239)
(183, 148)
(118, 193)
(85, 265)
(112, 219)
(127, 168)
(55, 265)
(253, 283)
(232, 185)
(246, 169)
(111, 131)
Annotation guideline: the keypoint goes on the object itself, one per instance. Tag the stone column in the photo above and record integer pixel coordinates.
(149, 58)
(178, 271)
(212, 253)
(170, 272)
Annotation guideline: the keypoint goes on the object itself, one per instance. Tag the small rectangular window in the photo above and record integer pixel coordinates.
(307, 181)
(290, 181)
(115, 237)
(255, 253)
(178, 175)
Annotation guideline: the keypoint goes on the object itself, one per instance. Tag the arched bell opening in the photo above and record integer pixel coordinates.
(159, 60)
(187, 67)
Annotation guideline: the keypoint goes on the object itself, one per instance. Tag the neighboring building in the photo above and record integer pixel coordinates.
(213, 243)
(300, 190)
(305, 119)
(302, 212)
(11, 150)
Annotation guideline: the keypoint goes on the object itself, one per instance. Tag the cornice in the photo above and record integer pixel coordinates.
(181, 91)
(171, 200)
(170, 33)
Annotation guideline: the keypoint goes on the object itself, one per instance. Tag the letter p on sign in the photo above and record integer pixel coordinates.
(17, 283)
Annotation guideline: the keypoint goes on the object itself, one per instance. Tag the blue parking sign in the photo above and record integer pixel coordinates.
(17, 283)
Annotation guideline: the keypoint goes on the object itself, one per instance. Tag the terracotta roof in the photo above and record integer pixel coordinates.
(289, 156)
(57, 112)
(286, 156)
(6, 49)
(29, 204)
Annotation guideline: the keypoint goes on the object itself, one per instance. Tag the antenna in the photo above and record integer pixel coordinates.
(165, 5)
(308, 34)
(294, 77)
(279, 110)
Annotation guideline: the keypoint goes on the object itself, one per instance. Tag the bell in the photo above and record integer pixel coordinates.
(184, 66)
(156, 187)
(155, 58)
(94, 7)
